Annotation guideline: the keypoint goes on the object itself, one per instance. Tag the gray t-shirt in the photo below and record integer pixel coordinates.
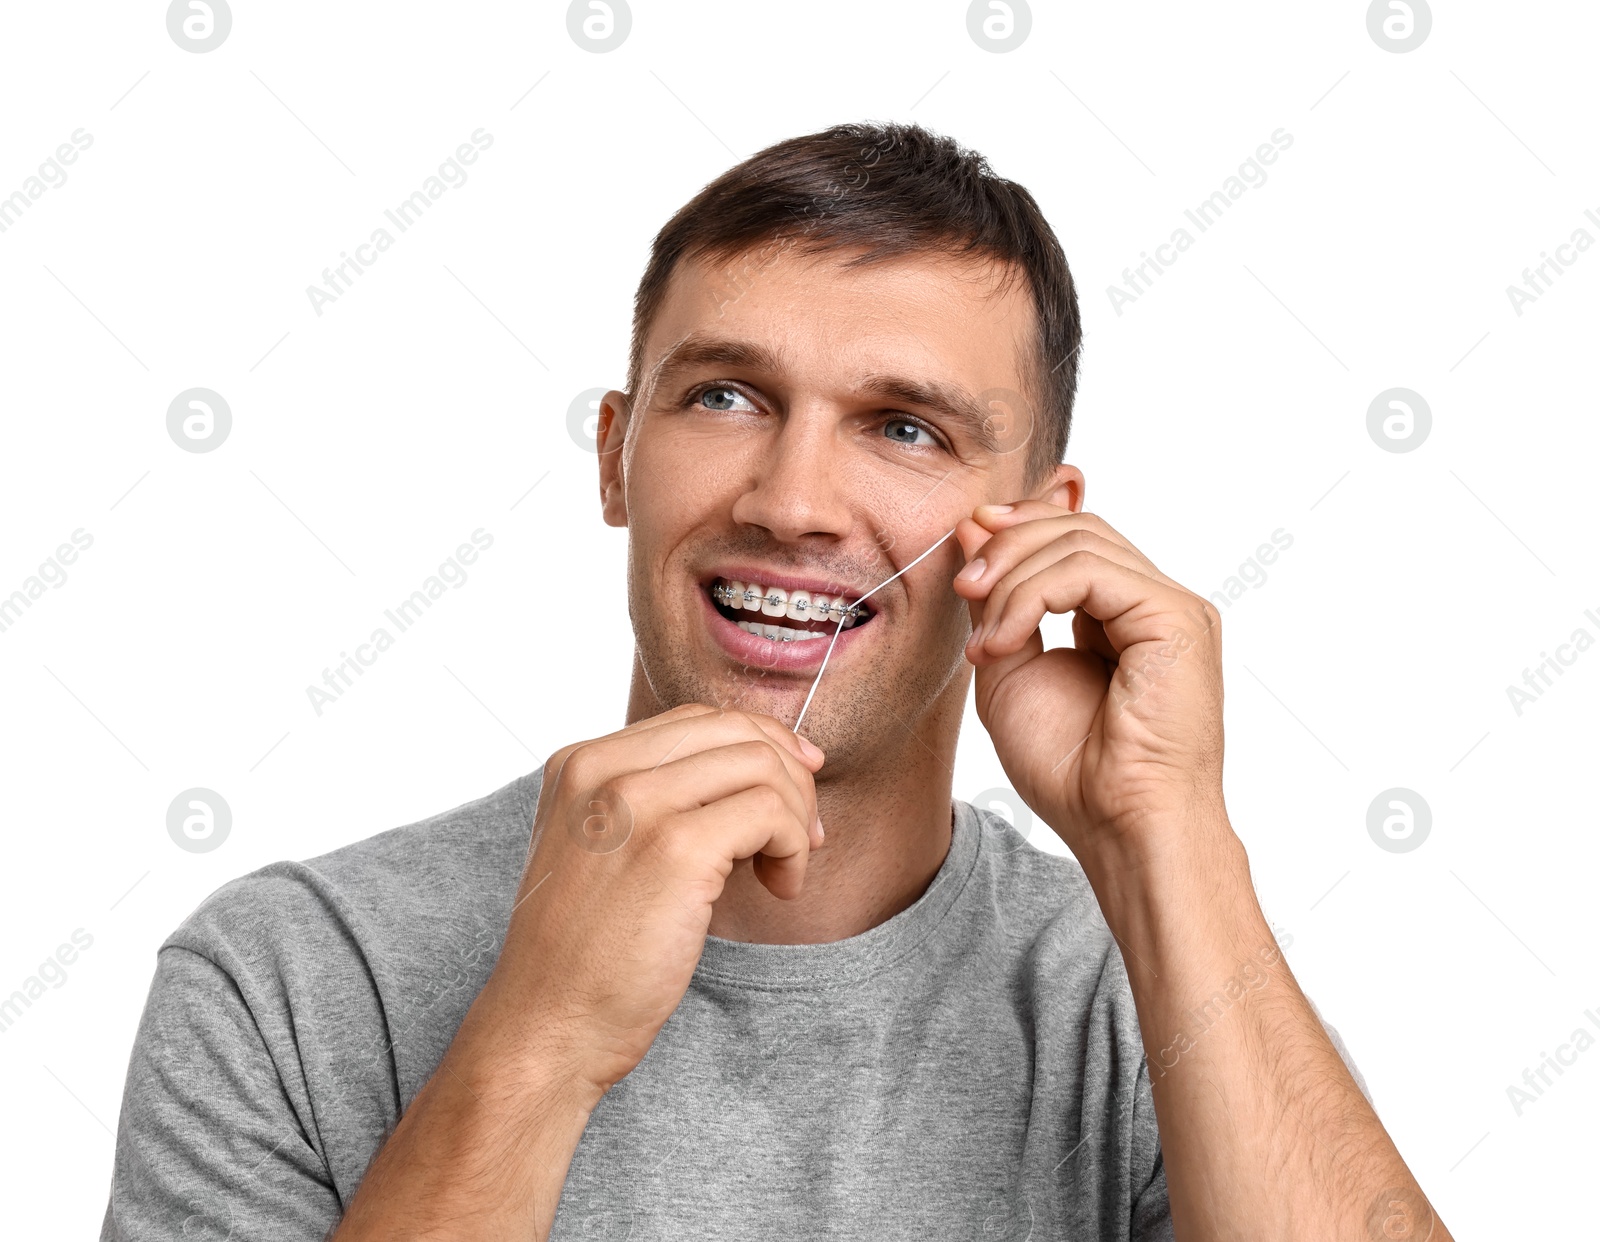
(970, 1068)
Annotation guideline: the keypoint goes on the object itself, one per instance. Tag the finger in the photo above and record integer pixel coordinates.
(1025, 555)
(685, 731)
(973, 539)
(803, 747)
(1131, 606)
(989, 520)
(712, 775)
(591, 765)
(554, 764)
(811, 756)
(996, 518)
(690, 711)
(1006, 551)
(971, 536)
(686, 711)
(752, 822)
(1089, 635)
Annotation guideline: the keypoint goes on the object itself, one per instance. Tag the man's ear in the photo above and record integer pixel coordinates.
(609, 433)
(1063, 487)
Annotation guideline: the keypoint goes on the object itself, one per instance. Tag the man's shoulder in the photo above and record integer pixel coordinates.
(1038, 880)
(1042, 899)
(446, 876)
(468, 845)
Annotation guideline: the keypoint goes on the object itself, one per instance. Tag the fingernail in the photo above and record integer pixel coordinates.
(810, 747)
(998, 508)
(973, 570)
(817, 823)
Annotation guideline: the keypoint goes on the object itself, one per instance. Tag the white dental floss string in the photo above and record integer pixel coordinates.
(840, 626)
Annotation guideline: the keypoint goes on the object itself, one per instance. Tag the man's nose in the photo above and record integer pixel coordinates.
(796, 486)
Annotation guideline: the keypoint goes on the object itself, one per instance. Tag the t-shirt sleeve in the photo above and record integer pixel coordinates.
(210, 1144)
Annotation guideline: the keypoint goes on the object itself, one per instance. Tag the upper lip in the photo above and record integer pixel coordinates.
(788, 582)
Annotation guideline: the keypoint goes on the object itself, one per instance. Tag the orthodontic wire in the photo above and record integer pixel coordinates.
(806, 706)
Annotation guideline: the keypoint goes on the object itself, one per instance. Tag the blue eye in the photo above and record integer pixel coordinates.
(721, 398)
(904, 431)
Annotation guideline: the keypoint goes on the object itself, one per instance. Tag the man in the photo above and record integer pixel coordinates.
(710, 977)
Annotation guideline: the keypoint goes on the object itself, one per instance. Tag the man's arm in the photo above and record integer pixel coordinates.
(1264, 1132)
(249, 1112)
(1116, 742)
(634, 836)
(483, 1149)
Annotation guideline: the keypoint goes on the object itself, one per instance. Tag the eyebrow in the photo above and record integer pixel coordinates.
(698, 350)
(951, 401)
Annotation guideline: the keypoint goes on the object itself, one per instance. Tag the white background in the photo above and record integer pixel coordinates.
(368, 442)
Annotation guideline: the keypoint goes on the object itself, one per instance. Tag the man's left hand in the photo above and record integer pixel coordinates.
(1120, 736)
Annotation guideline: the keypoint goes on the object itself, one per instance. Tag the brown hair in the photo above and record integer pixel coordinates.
(890, 189)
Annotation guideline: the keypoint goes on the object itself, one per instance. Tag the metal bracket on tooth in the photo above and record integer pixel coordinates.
(733, 598)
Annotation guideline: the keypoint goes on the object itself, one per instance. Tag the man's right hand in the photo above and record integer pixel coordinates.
(634, 836)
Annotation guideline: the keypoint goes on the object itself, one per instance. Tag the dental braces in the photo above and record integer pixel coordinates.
(727, 595)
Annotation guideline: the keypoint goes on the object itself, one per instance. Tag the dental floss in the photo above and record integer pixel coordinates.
(840, 626)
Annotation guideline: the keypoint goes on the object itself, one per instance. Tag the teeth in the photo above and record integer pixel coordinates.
(777, 633)
(798, 605)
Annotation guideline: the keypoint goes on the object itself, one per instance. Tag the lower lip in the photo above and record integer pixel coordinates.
(794, 656)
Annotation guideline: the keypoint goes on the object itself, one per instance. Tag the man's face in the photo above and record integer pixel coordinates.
(805, 431)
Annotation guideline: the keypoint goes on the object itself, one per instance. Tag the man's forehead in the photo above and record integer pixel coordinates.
(777, 265)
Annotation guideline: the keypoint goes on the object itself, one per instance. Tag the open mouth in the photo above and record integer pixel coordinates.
(782, 616)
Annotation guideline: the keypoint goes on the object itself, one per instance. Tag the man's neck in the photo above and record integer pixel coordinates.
(888, 827)
(882, 850)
